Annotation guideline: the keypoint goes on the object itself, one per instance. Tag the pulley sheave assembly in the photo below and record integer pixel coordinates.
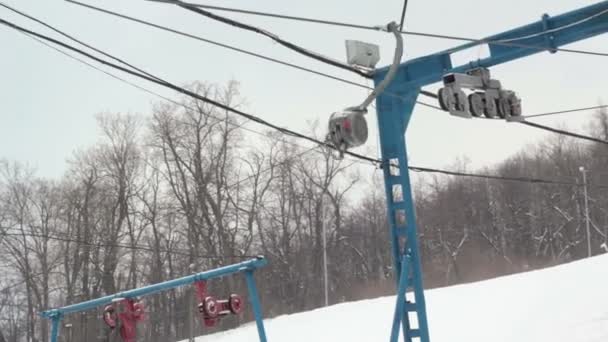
(488, 98)
(348, 128)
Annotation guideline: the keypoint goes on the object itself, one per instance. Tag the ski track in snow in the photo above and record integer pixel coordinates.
(563, 303)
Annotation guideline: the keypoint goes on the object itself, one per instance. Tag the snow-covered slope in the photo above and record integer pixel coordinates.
(564, 303)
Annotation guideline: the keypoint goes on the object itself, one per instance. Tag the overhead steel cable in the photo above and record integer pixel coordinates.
(566, 111)
(403, 15)
(16, 284)
(272, 15)
(285, 43)
(182, 90)
(307, 150)
(73, 38)
(555, 29)
(124, 246)
(237, 49)
(151, 92)
(435, 96)
(562, 132)
(551, 129)
(422, 92)
(376, 28)
(502, 178)
(237, 183)
(374, 161)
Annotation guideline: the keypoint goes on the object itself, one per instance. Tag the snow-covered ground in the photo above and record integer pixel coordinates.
(564, 303)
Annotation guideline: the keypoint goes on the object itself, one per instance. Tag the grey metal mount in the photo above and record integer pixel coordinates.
(488, 98)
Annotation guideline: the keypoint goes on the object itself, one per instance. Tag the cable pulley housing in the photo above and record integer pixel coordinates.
(347, 129)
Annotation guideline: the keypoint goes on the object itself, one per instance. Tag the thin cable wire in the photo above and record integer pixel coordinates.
(502, 178)
(12, 286)
(554, 130)
(562, 132)
(275, 38)
(376, 28)
(274, 15)
(243, 51)
(429, 94)
(403, 15)
(147, 90)
(320, 143)
(239, 182)
(20, 282)
(247, 27)
(557, 29)
(231, 186)
(124, 246)
(218, 119)
(433, 95)
(199, 38)
(180, 89)
(566, 111)
(73, 38)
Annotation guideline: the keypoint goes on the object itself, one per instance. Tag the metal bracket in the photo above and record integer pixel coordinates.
(550, 37)
(212, 309)
(128, 312)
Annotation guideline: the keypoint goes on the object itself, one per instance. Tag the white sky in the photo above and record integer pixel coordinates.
(49, 101)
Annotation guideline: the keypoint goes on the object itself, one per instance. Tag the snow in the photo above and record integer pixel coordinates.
(563, 303)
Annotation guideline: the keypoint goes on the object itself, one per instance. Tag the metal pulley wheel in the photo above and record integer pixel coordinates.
(462, 102)
(453, 100)
(110, 317)
(515, 104)
(477, 104)
(490, 108)
(209, 307)
(235, 304)
(504, 108)
(446, 98)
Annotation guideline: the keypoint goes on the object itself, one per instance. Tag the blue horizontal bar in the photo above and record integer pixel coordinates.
(155, 288)
(429, 69)
(411, 307)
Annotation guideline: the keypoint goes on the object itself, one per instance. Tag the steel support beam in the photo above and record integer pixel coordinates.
(248, 267)
(394, 110)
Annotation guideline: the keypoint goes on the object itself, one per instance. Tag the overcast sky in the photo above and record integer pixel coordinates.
(48, 101)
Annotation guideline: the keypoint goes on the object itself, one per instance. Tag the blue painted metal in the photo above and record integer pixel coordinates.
(394, 110)
(549, 37)
(55, 321)
(255, 304)
(400, 305)
(55, 315)
(430, 69)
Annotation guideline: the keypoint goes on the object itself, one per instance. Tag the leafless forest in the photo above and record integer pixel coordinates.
(185, 188)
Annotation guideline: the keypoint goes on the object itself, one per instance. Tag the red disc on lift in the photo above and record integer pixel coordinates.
(138, 311)
(235, 303)
(210, 307)
(109, 316)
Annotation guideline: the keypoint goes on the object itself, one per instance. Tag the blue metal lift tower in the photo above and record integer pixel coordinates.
(132, 313)
(394, 113)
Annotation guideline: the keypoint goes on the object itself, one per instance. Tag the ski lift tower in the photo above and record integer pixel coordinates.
(124, 310)
(394, 110)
